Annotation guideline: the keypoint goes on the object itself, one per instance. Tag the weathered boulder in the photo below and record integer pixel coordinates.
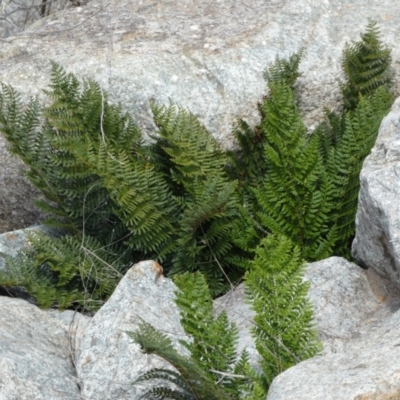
(377, 241)
(37, 351)
(359, 330)
(341, 295)
(107, 362)
(65, 355)
(342, 298)
(206, 55)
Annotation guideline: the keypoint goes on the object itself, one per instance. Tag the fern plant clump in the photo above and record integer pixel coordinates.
(171, 201)
(367, 67)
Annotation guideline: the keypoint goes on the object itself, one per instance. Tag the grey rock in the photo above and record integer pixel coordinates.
(37, 352)
(365, 368)
(107, 361)
(16, 193)
(240, 313)
(207, 55)
(377, 241)
(342, 299)
(359, 331)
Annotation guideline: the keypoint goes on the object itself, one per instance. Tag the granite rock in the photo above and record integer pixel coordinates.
(36, 349)
(377, 241)
(206, 55)
(107, 361)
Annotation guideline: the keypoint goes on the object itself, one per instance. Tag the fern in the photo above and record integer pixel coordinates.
(367, 66)
(346, 139)
(64, 271)
(295, 198)
(214, 339)
(193, 166)
(345, 159)
(285, 70)
(284, 329)
(189, 382)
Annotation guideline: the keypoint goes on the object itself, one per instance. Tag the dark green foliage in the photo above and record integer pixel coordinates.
(285, 70)
(367, 66)
(193, 166)
(284, 330)
(306, 186)
(357, 132)
(214, 371)
(189, 381)
(295, 196)
(247, 163)
(346, 139)
(171, 201)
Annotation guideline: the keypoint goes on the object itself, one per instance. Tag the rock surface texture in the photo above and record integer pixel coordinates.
(359, 330)
(377, 243)
(107, 362)
(65, 355)
(207, 55)
(35, 348)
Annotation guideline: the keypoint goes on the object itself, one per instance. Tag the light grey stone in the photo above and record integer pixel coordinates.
(342, 299)
(16, 193)
(366, 368)
(107, 360)
(377, 241)
(37, 349)
(207, 55)
(359, 331)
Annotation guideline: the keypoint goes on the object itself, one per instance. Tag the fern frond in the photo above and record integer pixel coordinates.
(284, 330)
(367, 67)
(190, 380)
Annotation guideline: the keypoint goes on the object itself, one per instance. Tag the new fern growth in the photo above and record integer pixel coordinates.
(214, 339)
(283, 325)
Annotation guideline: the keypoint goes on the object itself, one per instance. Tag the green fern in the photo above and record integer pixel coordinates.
(345, 158)
(367, 66)
(65, 271)
(214, 339)
(295, 198)
(284, 330)
(285, 70)
(193, 166)
(189, 382)
(346, 139)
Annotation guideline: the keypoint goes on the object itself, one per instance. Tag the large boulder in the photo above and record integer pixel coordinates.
(107, 361)
(47, 354)
(206, 55)
(36, 351)
(377, 241)
(358, 325)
